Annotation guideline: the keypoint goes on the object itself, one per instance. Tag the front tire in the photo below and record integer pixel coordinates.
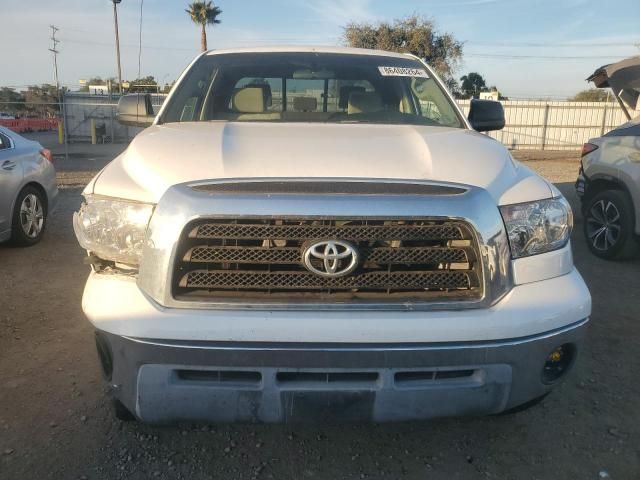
(29, 217)
(609, 225)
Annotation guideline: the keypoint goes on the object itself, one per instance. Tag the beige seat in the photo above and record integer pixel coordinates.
(249, 100)
(250, 103)
(364, 102)
(345, 92)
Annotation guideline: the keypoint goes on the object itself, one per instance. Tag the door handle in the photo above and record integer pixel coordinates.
(8, 165)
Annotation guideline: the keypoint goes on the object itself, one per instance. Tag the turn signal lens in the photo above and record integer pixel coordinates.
(588, 148)
(558, 363)
(46, 153)
(556, 355)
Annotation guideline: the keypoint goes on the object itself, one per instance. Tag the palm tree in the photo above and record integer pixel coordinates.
(203, 14)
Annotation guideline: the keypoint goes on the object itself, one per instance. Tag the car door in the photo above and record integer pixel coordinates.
(11, 174)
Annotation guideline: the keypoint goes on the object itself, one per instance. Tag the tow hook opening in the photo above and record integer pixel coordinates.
(558, 363)
(105, 355)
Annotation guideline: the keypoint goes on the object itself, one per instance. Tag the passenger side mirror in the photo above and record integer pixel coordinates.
(486, 115)
(135, 110)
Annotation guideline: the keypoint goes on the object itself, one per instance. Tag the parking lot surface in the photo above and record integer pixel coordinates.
(55, 420)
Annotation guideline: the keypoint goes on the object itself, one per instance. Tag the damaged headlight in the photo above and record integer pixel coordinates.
(112, 229)
(537, 227)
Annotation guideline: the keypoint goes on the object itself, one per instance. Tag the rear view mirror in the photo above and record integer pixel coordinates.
(313, 75)
(486, 115)
(135, 110)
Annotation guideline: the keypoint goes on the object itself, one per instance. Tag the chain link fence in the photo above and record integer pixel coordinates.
(81, 109)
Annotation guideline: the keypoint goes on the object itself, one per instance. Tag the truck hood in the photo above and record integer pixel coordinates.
(165, 155)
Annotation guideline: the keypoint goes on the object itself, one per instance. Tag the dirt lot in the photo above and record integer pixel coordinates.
(55, 421)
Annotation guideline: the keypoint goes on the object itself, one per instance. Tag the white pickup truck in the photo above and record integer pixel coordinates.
(313, 233)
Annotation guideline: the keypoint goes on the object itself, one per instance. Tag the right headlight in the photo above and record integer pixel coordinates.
(113, 229)
(537, 227)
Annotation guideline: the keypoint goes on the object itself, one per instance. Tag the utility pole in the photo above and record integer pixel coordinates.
(115, 21)
(55, 52)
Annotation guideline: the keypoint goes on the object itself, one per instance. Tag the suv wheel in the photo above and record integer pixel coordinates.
(29, 217)
(609, 225)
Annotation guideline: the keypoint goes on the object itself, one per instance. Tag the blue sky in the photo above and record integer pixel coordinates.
(514, 44)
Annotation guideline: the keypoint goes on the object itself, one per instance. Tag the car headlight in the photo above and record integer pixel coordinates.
(112, 229)
(537, 227)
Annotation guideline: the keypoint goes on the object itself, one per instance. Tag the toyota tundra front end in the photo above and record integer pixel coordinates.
(309, 234)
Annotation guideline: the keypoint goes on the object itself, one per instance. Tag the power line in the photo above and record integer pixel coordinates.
(550, 44)
(104, 44)
(545, 57)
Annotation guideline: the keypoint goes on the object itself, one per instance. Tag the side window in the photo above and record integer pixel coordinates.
(421, 89)
(432, 102)
(188, 100)
(188, 113)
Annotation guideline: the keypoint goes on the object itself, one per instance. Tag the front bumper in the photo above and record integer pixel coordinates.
(116, 304)
(165, 382)
(220, 365)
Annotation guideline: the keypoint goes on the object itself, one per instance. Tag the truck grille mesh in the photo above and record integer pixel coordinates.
(262, 260)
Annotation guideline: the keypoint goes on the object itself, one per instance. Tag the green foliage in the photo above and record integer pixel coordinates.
(204, 13)
(167, 87)
(414, 34)
(591, 95)
(36, 101)
(472, 84)
(11, 101)
(98, 81)
(42, 100)
(143, 85)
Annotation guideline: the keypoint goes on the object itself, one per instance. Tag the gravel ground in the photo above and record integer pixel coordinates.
(559, 167)
(55, 420)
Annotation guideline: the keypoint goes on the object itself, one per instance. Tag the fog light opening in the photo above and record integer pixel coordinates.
(558, 363)
(104, 353)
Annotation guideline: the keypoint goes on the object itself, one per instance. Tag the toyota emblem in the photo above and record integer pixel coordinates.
(331, 258)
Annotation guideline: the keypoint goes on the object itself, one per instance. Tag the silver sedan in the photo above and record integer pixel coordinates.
(28, 188)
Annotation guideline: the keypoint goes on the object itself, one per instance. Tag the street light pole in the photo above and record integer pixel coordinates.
(115, 21)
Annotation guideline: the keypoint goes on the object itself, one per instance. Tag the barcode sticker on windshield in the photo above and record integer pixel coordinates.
(403, 72)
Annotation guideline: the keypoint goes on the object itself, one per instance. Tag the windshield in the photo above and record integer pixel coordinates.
(310, 87)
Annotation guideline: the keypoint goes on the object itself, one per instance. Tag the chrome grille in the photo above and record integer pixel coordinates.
(289, 255)
(261, 259)
(312, 231)
(381, 280)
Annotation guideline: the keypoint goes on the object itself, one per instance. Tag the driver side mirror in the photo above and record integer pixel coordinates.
(135, 110)
(486, 115)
